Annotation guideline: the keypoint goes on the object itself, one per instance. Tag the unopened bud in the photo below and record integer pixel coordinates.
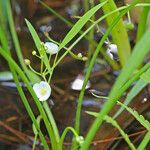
(79, 55)
(80, 140)
(84, 58)
(33, 52)
(27, 61)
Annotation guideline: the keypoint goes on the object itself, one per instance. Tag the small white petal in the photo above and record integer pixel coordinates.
(42, 90)
(112, 49)
(51, 48)
(78, 83)
(110, 54)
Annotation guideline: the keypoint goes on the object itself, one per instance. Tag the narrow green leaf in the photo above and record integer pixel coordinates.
(38, 44)
(138, 54)
(116, 125)
(144, 142)
(134, 91)
(80, 23)
(138, 117)
(145, 77)
(38, 120)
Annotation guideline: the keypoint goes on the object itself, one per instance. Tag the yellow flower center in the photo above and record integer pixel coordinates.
(43, 91)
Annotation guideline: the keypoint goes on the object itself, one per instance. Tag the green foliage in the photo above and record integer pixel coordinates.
(124, 81)
(119, 33)
(146, 77)
(140, 84)
(78, 26)
(116, 125)
(39, 45)
(138, 117)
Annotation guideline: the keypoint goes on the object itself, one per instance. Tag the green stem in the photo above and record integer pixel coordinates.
(28, 108)
(70, 24)
(108, 106)
(64, 134)
(142, 22)
(34, 142)
(119, 33)
(22, 95)
(31, 76)
(52, 121)
(91, 36)
(14, 36)
(79, 106)
(36, 100)
(144, 142)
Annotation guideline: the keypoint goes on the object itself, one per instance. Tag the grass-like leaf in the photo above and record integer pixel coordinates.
(138, 117)
(134, 91)
(80, 23)
(138, 54)
(38, 44)
(116, 125)
(146, 77)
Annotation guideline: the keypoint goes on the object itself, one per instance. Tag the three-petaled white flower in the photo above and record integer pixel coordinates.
(112, 49)
(51, 48)
(42, 90)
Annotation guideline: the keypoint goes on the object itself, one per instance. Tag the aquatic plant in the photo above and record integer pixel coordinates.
(38, 82)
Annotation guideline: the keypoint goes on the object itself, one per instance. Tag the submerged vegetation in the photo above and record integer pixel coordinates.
(116, 49)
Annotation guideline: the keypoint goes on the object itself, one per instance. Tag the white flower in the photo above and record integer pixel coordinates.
(112, 49)
(51, 48)
(42, 90)
(78, 83)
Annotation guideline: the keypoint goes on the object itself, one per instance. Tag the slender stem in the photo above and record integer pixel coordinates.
(41, 70)
(119, 33)
(36, 100)
(79, 106)
(34, 142)
(108, 106)
(111, 62)
(22, 95)
(144, 142)
(91, 36)
(142, 21)
(15, 38)
(52, 121)
(65, 132)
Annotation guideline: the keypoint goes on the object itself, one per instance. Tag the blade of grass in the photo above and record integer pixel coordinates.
(138, 117)
(110, 103)
(38, 43)
(28, 109)
(114, 123)
(80, 23)
(144, 142)
(99, 120)
(119, 33)
(70, 24)
(134, 91)
(37, 102)
(32, 77)
(22, 95)
(92, 63)
(142, 21)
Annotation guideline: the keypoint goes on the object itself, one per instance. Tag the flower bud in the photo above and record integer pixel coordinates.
(33, 52)
(27, 61)
(84, 58)
(80, 140)
(79, 55)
